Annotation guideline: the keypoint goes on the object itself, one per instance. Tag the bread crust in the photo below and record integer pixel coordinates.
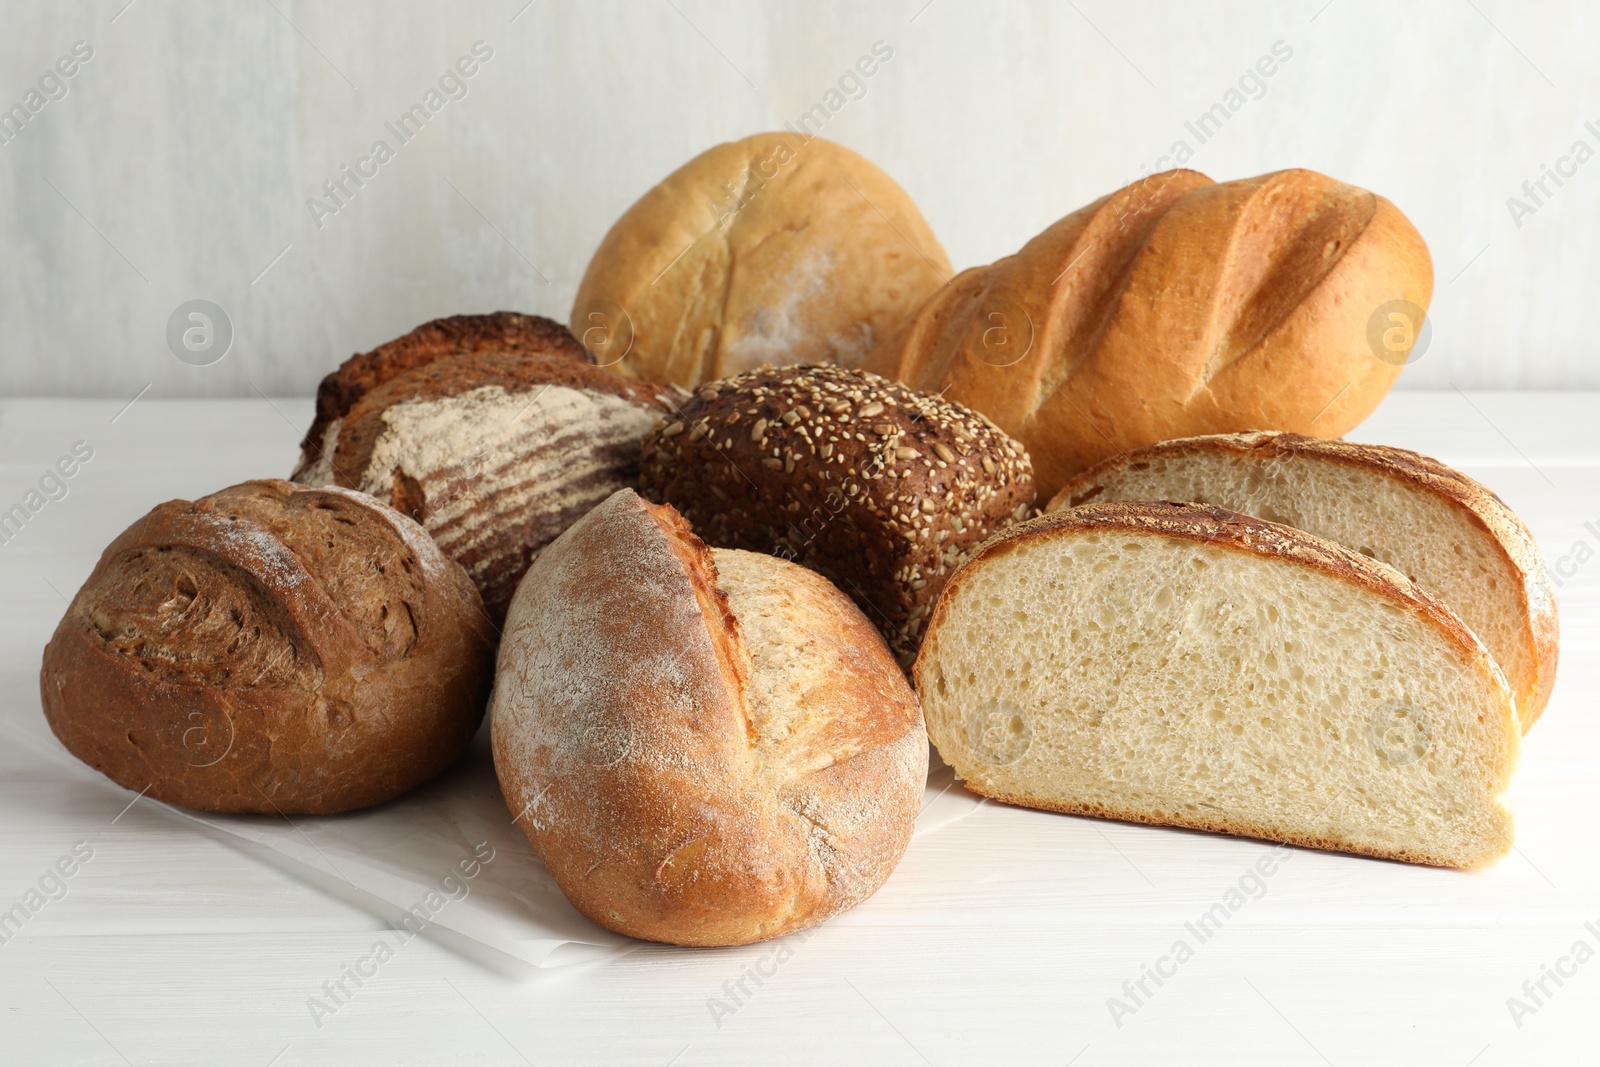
(1177, 306)
(1218, 527)
(881, 489)
(1474, 501)
(776, 248)
(458, 335)
(273, 649)
(632, 750)
(452, 358)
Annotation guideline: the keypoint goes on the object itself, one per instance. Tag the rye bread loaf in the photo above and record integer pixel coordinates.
(881, 489)
(705, 747)
(1189, 666)
(1178, 306)
(1444, 531)
(494, 432)
(270, 648)
(773, 249)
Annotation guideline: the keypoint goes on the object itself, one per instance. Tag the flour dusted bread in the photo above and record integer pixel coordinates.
(493, 431)
(705, 747)
(1446, 532)
(1178, 306)
(1189, 666)
(773, 249)
(270, 648)
(879, 488)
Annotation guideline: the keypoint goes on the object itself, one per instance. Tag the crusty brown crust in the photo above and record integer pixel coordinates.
(270, 648)
(776, 248)
(449, 358)
(626, 750)
(1476, 502)
(458, 335)
(879, 488)
(1175, 306)
(1218, 527)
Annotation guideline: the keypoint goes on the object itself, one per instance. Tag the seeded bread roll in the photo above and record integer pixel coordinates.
(881, 489)
(492, 431)
(705, 747)
(270, 648)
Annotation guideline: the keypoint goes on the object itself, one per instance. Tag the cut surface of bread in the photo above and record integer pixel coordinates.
(1446, 532)
(1189, 666)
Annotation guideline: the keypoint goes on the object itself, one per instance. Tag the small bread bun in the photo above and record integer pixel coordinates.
(704, 747)
(774, 249)
(270, 648)
(881, 489)
(493, 431)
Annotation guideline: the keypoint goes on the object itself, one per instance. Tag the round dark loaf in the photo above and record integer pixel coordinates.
(880, 488)
(493, 444)
(270, 648)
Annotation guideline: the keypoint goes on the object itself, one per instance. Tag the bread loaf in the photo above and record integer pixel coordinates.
(881, 489)
(1444, 531)
(270, 648)
(704, 747)
(1173, 307)
(494, 432)
(1188, 666)
(774, 249)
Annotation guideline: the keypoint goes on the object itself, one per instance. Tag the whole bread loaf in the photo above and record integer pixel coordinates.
(705, 747)
(774, 249)
(1189, 666)
(1443, 530)
(493, 431)
(270, 648)
(881, 489)
(1173, 307)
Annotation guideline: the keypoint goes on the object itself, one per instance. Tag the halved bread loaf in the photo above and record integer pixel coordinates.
(1189, 666)
(1446, 532)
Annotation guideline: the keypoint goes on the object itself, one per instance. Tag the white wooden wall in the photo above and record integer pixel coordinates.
(179, 163)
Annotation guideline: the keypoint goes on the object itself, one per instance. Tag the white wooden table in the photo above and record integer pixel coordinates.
(1000, 938)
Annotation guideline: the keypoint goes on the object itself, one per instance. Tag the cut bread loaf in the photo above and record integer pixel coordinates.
(705, 747)
(493, 431)
(1446, 532)
(1189, 666)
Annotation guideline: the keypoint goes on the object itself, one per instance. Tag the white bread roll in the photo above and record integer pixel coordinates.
(704, 747)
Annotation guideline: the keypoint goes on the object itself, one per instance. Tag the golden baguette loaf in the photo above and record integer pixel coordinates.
(776, 248)
(1446, 532)
(1173, 307)
(705, 747)
(1189, 666)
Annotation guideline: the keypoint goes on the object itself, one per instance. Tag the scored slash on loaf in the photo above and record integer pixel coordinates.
(493, 431)
(879, 488)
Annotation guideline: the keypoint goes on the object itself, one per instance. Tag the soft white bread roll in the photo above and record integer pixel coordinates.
(1189, 666)
(704, 747)
(1443, 530)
